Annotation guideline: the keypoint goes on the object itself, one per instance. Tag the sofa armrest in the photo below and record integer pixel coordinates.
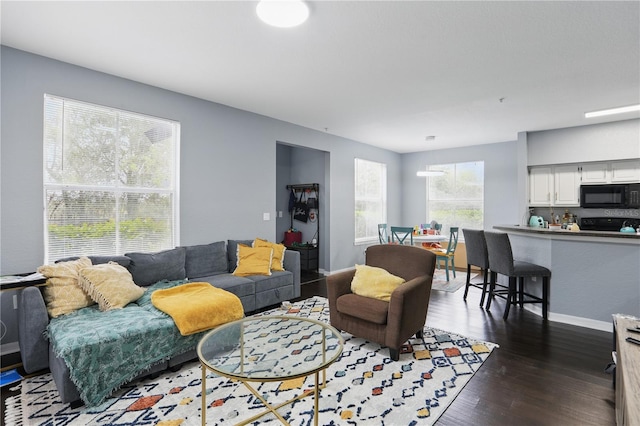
(292, 264)
(32, 325)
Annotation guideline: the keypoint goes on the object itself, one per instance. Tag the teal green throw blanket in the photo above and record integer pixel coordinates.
(105, 350)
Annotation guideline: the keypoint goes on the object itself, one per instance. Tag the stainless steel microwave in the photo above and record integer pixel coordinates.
(620, 196)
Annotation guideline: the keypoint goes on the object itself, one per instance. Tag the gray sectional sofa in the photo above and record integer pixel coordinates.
(213, 263)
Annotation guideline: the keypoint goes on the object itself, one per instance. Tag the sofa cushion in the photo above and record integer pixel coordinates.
(63, 293)
(232, 252)
(110, 285)
(253, 261)
(366, 308)
(149, 268)
(277, 262)
(206, 260)
(275, 280)
(371, 281)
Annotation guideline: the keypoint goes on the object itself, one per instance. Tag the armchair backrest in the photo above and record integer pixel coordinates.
(407, 262)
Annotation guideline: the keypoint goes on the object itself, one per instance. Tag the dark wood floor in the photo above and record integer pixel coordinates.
(542, 373)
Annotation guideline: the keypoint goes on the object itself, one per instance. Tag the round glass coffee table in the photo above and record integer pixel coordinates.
(270, 349)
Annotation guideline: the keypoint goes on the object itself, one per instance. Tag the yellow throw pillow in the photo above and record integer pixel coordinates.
(253, 261)
(370, 281)
(63, 294)
(110, 285)
(277, 262)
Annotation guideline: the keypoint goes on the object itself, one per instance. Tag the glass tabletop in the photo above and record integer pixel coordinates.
(270, 348)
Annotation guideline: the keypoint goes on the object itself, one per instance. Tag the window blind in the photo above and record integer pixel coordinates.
(110, 180)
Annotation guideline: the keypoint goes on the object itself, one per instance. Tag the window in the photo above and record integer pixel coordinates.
(370, 199)
(457, 197)
(110, 180)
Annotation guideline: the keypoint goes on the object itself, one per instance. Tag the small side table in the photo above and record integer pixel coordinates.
(309, 257)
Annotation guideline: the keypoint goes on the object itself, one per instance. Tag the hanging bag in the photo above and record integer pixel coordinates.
(301, 209)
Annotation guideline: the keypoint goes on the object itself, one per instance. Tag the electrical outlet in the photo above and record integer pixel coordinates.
(280, 213)
(266, 216)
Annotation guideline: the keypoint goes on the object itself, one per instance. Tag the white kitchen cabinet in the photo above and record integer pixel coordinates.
(566, 186)
(610, 172)
(625, 171)
(554, 186)
(595, 173)
(540, 186)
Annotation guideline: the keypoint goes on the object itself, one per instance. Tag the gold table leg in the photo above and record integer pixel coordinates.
(204, 394)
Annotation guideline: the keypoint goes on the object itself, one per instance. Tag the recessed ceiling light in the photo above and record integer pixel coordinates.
(611, 111)
(282, 13)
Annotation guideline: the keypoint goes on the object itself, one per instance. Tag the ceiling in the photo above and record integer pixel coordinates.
(385, 73)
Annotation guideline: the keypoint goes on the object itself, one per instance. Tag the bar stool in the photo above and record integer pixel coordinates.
(476, 246)
(501, 262)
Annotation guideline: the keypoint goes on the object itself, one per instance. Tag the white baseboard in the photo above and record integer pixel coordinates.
(570, 319)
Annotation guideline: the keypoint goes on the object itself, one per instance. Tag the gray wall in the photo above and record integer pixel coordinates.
(232, 170)
(597, 142)
(502, 186)
(228, 164)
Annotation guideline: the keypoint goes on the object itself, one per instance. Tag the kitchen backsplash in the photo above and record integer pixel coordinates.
(545, 212)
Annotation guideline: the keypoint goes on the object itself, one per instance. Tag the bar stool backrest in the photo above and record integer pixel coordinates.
(476, 246)
(500, 253)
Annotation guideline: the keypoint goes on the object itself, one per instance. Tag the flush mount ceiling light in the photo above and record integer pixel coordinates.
(427, 173)
(282, 13)
(611, 111)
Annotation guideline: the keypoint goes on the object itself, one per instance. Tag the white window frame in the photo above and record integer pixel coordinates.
(432, 180)
(371, 223)
(170, 188)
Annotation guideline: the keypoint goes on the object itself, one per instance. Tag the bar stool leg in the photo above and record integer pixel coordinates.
(492, 287)
(521, 291)
(466, 287)
(511, 297)
(484, 286)
(545, 297)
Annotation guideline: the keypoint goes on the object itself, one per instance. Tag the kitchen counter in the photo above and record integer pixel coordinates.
(594, 274)
(618, 237)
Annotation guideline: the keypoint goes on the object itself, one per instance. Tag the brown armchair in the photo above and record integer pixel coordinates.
(388, 323)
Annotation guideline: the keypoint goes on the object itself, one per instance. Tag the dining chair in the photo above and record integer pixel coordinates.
(448, 255)
(383, 234)
(477, 255)
(401, 233)
(501, 262)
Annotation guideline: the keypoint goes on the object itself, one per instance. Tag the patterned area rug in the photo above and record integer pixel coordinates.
(364, 387)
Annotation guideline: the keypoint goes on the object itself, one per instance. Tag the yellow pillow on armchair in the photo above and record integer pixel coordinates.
(253, 261)
(371, 281)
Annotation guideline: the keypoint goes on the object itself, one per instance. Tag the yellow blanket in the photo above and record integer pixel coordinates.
(196, 307)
